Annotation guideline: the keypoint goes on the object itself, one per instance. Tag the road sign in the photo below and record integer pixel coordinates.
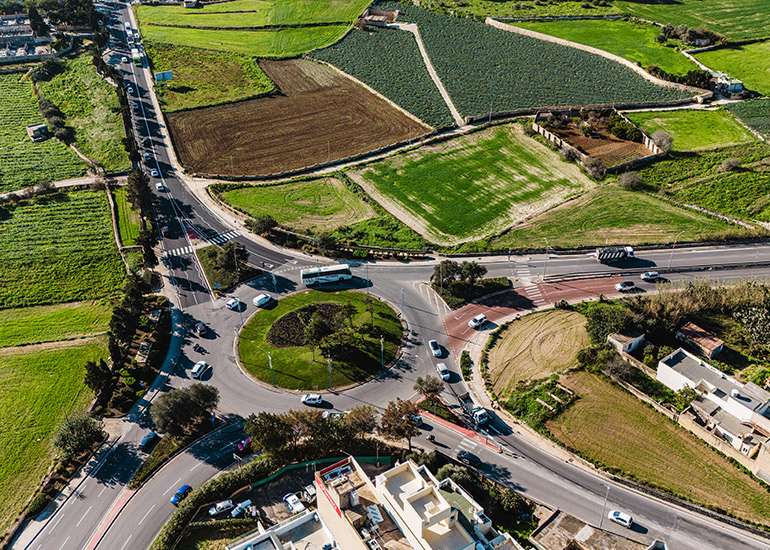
(163, 76)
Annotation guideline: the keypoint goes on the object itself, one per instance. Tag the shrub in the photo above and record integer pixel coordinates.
(662, 140)
(569, 154)
(594, 168)
(630, 180)
(38, 504)
(730, 165)
(465, 364)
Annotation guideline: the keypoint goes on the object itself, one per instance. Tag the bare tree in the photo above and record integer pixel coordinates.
(663, 140)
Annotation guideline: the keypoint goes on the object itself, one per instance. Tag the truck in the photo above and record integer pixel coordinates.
(135, 55)
(478, 415)
(610, 254)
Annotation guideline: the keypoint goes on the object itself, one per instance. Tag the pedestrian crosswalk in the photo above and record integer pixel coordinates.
(223, 238)
(466, 445)
(534, 294)
(182, 251)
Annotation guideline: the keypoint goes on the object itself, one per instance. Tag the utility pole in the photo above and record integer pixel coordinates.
(270, 360)
(275, 286)
(382, 351)
(403, 314)
(604, 506)
(329, 360)
(671, 257)
(545, 269)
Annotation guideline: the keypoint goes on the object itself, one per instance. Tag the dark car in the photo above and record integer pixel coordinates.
(201, 329)
(469, 458)
(147, 441)
(181, 494)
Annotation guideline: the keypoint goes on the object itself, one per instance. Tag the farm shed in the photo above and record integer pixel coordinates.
(37, 132)
(626, 342)
(702, 340)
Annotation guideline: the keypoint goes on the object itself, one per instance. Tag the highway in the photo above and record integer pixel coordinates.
(103, 515)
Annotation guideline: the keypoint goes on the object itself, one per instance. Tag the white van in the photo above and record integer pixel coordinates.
(443, 371)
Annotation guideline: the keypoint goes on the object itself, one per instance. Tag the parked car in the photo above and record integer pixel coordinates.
(130, 90)
(181, 494)
(625, 286)
(262, 300)
(293, 503)
(443, 371)
(435, 348)
(124, 59)
(199, 369)
(244, 445)
(469, 458)
(650, 276)
(147, 156)
(221, 507)
(160, 187)
(238, 510)
(164, 231)
(234, 304)
(154, 173)
(478, 321)
(621, 518)
(201, 329)
(147, 441)
(313, 399)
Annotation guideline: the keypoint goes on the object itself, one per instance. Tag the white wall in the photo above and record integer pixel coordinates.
(671, 379)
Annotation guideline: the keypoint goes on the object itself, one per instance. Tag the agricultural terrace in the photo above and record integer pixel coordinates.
(610, 215)
(473, 185)
(38, 324)
(612, 427)
(205, 77)
(24, 163)
(37, 386)
(281, 330)
(475, 61)
(320, 116)
(535, 347)
(631, 40)
(91, 108)
(480, 9)
(317, 205)
(692, 129)
(736, 19)
(128, 217)
(58, 248)
(749, 63)
(754, 113)
(388, 60)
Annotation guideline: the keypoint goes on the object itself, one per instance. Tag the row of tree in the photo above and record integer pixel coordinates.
(449, 271)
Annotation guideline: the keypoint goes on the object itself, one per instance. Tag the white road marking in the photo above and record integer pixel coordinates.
(198, 464)
(125, 543)
(63, 543)
(147, 514)
(172, 486)
(84, 516)
(100, 492)
(57, 521)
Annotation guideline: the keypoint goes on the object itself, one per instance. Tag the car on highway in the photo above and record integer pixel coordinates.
(435, 348)
(181, 494)
(130, 90)
(649, 276)
(262, 300)
(134, 105)
(147, 156)
(221, 507)
(154, 173)
(238, 510)
(621, 518)
(468, 458)
(234, 304)
(443, 371)
(199, 369)
(160, 187)
(312, 399)
(124, 59)
(293, 503)
(625, 286)
(201, 329)
(147, 441)
(478, 321)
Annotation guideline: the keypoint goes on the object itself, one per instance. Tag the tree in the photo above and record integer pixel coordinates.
(663, 141)
(271, 433)
(324, 241)
(429, 387)
(181, 410)
(262, 224)
(730, 165)
(445, 272)
(594, 168)
(36, 22)
(98, 376)
(77, 434)
(398, 421)
(348, 311)
(605, 319)
(630, 180)
(362, 420)
(472, 271)
(315, 331)
(369, 306)
(147, 239)
(229, 254)
(139, 192)
(684, 398)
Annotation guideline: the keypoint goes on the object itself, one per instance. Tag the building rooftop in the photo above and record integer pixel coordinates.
(626, 336)
(701, 337)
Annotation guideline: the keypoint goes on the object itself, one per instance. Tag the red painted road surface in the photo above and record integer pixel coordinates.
(116, 508)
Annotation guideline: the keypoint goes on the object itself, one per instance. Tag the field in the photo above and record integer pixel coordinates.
(755, 114)
(293, 366)
(318, 205)
(473, 185)
(57, 248)
(128, 217)
(601, 144)
(205, 77)
(481, 9)
(630, 40)
(213, 536)
(535, 347)
(360, 54)
(320, 116)
(37, 386)
(33, 325)
(24, 163)
(90, 105)
(749, 63)
(736, 19)
(472, 59)
(614, 428)
(609, 215)
(694, 129)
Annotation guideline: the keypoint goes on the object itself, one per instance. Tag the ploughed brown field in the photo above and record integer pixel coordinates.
(319, 115)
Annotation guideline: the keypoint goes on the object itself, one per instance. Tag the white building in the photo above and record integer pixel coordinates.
(626, 342)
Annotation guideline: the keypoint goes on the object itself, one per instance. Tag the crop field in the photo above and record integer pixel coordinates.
(128, 217)
(471, 186)
(90, 104)
(741, 194)
(736, 19)
(610, 215)
(633, 41)
(749, 63)
(614, 428)
(205, 77)
(360, 54)
(754, 113)
(693, 130)
(535, 347)
(58, 248)
(320, 116)
(318, 205)
(24, 163)
(33, 325)
(475, 61)
(481, 9)
(36, 386)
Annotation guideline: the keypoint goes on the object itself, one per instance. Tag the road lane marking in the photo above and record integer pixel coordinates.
(198, 464)
(172, 486)
(84, 516)
(125, 543)
(57, 522)
(65, 542)
(147, 514)
(100, 492)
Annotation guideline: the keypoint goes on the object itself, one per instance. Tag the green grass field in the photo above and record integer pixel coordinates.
(318, 205)
(693, 130)
(205, 77)
(632, 41)
(213, 536)
(754, 113)
(494, 8)
(736, 19)
(472, 186)
(293, 366)
(58, 248)
(128, 217)
(749, 63)
(24, 163)
(33, 325)
(37, 386)
(614, 428)
(609, 215)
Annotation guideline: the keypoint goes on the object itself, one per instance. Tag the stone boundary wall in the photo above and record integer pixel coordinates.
(687, 421)
(556, 140)
(647, 399)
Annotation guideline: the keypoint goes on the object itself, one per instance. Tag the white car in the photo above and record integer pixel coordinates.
(199, 368)
(312, 399)
(650, 276)
(124, 59)
(625, 286)
(221, 507)
(238, 510)
(130, 90)
(234, 303)
(434, 348)
(621, 518)
(478, 321)
(262, 300)
(443, 372)
(154, 173)
(160, 187)
(293, 503)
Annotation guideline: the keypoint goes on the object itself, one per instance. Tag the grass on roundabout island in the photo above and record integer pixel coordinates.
(354, 360)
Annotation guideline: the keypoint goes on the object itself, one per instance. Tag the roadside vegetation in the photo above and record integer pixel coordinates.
(459, 283)
(128, 217)
(746, 62)
(39, 324)
(227, 266)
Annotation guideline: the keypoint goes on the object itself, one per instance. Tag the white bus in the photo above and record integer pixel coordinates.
(328, 274)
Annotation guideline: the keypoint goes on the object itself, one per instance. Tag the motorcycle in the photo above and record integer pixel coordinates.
(196, 347)
(431, 438)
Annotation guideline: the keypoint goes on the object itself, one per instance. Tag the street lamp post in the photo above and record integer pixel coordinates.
(382, 351)
(329, 362)
(545, 269)
(270, 360)
(671, 257)
(275, 286)
(604, 506)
